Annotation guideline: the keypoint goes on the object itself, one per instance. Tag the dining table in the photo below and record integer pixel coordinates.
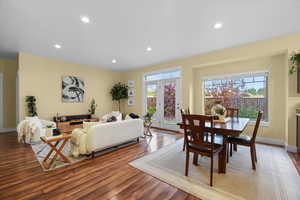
(231, 127)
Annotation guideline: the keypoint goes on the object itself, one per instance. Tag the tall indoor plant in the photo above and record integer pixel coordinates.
(118, 92)
(31, 105)
(294, 61)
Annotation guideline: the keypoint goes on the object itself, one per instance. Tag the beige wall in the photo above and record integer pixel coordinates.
(9, 70)
(42, 78)
(255, 51)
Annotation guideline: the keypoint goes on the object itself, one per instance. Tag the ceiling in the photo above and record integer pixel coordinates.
(123, 29)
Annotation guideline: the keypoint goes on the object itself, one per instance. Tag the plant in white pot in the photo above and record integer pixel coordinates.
(149, 115)
(49, 130)
(93, 107)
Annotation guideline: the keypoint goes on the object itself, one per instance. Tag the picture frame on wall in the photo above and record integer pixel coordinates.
(131, 102)
(130, 84)
(73, 89)
(130, 93)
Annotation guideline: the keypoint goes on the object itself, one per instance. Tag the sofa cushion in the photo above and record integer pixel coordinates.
(88, 125)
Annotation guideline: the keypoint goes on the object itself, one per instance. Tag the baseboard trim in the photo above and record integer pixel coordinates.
(290, 148)
(163, 129)
(5, 130)
(270, 141)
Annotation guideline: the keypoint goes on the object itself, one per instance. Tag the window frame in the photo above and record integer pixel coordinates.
(242, 75)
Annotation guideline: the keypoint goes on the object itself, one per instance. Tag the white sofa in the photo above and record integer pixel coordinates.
(32, 128)
(98, 136)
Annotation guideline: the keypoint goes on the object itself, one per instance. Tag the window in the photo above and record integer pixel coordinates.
(161, 76)
(247, 92)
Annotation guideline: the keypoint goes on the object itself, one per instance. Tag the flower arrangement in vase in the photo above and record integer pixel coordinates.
(219, 111)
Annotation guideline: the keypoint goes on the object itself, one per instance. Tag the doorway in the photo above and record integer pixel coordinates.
(162, 96)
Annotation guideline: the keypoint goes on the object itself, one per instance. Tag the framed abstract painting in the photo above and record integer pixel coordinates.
(72, 89)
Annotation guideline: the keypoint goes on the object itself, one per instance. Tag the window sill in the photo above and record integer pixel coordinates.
(264, 124)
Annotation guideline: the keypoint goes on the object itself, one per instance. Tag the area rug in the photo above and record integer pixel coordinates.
(41, 150)
(275, 177)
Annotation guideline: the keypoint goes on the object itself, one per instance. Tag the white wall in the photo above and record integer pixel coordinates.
(1, 100)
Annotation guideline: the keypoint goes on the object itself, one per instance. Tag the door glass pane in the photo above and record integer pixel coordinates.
(160, 76)
(151, 98)
(170, 101)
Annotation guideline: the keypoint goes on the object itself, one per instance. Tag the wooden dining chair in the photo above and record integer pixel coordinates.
(247, 141)
(185, 112)
(196, 143)
(232, 113)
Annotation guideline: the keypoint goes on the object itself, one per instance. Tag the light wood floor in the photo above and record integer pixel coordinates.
(105, 177)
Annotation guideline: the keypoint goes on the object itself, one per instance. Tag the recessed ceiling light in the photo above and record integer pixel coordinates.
(149, 48)
(218, 25)
(85, 19)
(114, 61)
(57, 46)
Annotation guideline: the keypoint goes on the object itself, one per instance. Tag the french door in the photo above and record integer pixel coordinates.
(163, 98)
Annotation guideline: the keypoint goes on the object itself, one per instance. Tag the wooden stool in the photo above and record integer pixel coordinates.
(57, 152)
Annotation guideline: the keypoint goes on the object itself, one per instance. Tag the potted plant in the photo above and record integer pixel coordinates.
(49, 130)
(118, 92)
(148, 121)
(31, 106)
(93, 107)
(149, 115)
(294, 61)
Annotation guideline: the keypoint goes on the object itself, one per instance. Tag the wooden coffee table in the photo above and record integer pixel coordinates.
(57, 151)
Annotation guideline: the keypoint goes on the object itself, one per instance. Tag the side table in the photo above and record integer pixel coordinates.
(147, 125)
(57, 151)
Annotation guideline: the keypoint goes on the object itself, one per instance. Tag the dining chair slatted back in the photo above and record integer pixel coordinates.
(247, 141)
(196, 142)
(196, 125)
(232, 112)
(258, 119)
(185, 111)
(186, 132)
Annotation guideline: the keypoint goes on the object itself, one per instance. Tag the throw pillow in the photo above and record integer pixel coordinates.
(112, 119)
(134, 116)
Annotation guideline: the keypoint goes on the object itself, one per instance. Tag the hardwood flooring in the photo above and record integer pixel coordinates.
(296, 160)
(105, 177)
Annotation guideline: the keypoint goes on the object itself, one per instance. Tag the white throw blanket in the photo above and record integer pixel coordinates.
(78, 142)
(28, 130)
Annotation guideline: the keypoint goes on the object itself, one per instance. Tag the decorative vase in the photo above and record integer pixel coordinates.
(49, 132)
(221, 117)
(215, 111)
